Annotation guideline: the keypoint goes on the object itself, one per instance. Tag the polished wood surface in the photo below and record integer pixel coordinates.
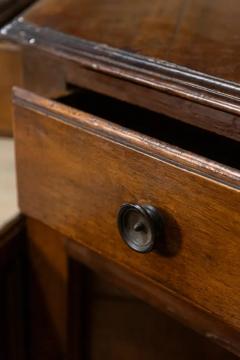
(46, 295)
(133, 329)
(64, 174)
(200, 34)
(49, 79)
(63, 72)
(10, 64)
(77, 164)
(10, 72)
(69, 304)
(194, 113)
(151, 144)
(183, 52)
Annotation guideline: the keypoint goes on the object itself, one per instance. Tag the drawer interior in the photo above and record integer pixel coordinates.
(161, 127)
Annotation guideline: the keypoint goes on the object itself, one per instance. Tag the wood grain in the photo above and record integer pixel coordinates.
(64, 175)
(49, 79)
(10, 64)
(197, 90)
(120, 277)
(209, 118)
(151, 146)
(10, 70)
(46, 295)
(198, 34)
(108, 311)
(136, 330)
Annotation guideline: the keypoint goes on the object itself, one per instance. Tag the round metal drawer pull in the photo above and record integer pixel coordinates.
(141, 226)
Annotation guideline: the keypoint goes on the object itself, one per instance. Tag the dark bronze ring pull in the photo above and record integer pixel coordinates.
(141, 226)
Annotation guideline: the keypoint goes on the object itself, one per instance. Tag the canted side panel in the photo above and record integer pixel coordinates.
(75, 181)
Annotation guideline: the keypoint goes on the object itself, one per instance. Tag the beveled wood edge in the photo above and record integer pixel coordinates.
(154, 148)
(149, 72)
(166, 300)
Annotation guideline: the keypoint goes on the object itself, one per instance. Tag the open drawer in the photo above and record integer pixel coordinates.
(75, 170)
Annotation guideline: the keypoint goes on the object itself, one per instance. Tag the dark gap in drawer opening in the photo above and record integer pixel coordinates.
(158, 126)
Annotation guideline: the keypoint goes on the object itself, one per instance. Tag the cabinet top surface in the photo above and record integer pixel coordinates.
(186, 48)
(201, 35)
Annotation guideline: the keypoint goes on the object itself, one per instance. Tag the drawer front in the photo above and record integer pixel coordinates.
(76, 170)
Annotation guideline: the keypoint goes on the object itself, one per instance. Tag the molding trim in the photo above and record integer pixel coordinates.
(157, 149)
(161, 75)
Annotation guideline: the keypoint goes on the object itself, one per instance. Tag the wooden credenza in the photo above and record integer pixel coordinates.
(10, 63)
(127, 132)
